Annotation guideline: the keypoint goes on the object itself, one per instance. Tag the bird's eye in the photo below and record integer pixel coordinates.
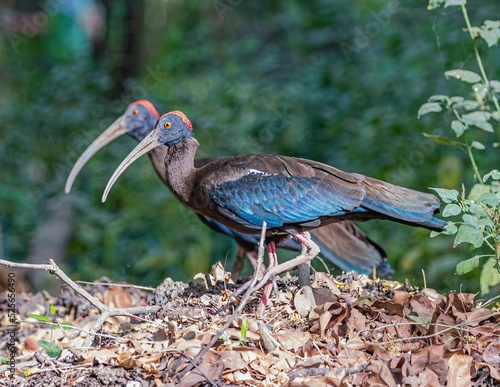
(135, 112)
(167, 125)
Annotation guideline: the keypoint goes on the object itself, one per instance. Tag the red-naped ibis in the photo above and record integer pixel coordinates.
(137, 122)
(291, 195)
(342, 243)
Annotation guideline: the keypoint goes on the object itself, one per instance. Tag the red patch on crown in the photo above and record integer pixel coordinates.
(183, 117)
(148, 105)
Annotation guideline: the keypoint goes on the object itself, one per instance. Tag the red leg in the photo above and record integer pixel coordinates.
(272, 255)
(266, 292)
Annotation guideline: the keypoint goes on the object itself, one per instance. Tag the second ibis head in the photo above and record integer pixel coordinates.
(137, 122)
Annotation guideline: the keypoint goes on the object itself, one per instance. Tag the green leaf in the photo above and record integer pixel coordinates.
(477, 145)
(478, 116)
(39, 317)
(244, 329)
(52, 350)
(489, 276)
(468, 265)
(454, 3)
(486, 126)
(438, 98)
(471, 220)
(485, 222)
(429, 107)
(463, 75)
(52, 309)
(444, 141)
(492, 23)
(469, 234)
(449, 229)
(495, 86)
(490, 37)
(451, 209)
(456, 99)
(479, 119)
(490, 199)
(467, 104)
(447, 195)
(477, 210)
(458, 127)
(477, 190)
(495, 175)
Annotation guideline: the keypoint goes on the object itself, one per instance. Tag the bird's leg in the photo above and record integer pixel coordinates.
(309, 251)
(273, 261)
(305, 283)
(266, 292)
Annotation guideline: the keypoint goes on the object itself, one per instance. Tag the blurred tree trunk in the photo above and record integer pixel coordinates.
(50, 241)
(128, 55)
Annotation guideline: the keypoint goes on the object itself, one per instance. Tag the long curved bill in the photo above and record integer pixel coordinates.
(115, 130)
(150, 142)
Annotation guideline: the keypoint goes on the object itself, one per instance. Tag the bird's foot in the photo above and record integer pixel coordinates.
(304, 299)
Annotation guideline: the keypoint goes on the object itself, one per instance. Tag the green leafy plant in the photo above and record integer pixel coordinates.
(226, 336)
(478, 207)
(52, 349)
(244, 330)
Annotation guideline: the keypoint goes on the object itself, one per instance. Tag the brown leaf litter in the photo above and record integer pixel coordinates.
(362, 332)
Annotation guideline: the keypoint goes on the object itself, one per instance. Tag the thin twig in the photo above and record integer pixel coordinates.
(148, 288)
(490, 301)
(105, 310)
(241, 305)
(207, 378)
(268, 341)
(27, 364)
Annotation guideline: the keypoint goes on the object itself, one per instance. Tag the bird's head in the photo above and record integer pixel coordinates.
(137, 121)
(171, 129)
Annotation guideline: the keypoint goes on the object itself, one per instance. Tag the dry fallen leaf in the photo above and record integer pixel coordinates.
(118, 297)
(459, 371)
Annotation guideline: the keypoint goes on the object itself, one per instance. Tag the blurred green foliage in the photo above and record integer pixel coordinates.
(335, 81)
(475, 211)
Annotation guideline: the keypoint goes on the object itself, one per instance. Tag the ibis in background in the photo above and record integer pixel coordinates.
(291, 195)
(342, 243)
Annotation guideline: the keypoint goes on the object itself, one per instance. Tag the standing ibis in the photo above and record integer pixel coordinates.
(342, 243)
(291, 195)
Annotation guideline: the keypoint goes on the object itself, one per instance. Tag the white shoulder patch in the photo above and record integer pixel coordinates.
(257, 172)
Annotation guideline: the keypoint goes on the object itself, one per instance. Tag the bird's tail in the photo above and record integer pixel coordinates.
(402, 204)
(347, 247)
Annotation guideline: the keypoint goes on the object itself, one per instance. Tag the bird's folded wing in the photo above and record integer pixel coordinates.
(281, 200)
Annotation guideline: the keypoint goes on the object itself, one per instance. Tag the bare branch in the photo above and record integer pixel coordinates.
(105, 310)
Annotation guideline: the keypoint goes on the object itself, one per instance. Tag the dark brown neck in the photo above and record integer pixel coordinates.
(157, 157)
(180, 170)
